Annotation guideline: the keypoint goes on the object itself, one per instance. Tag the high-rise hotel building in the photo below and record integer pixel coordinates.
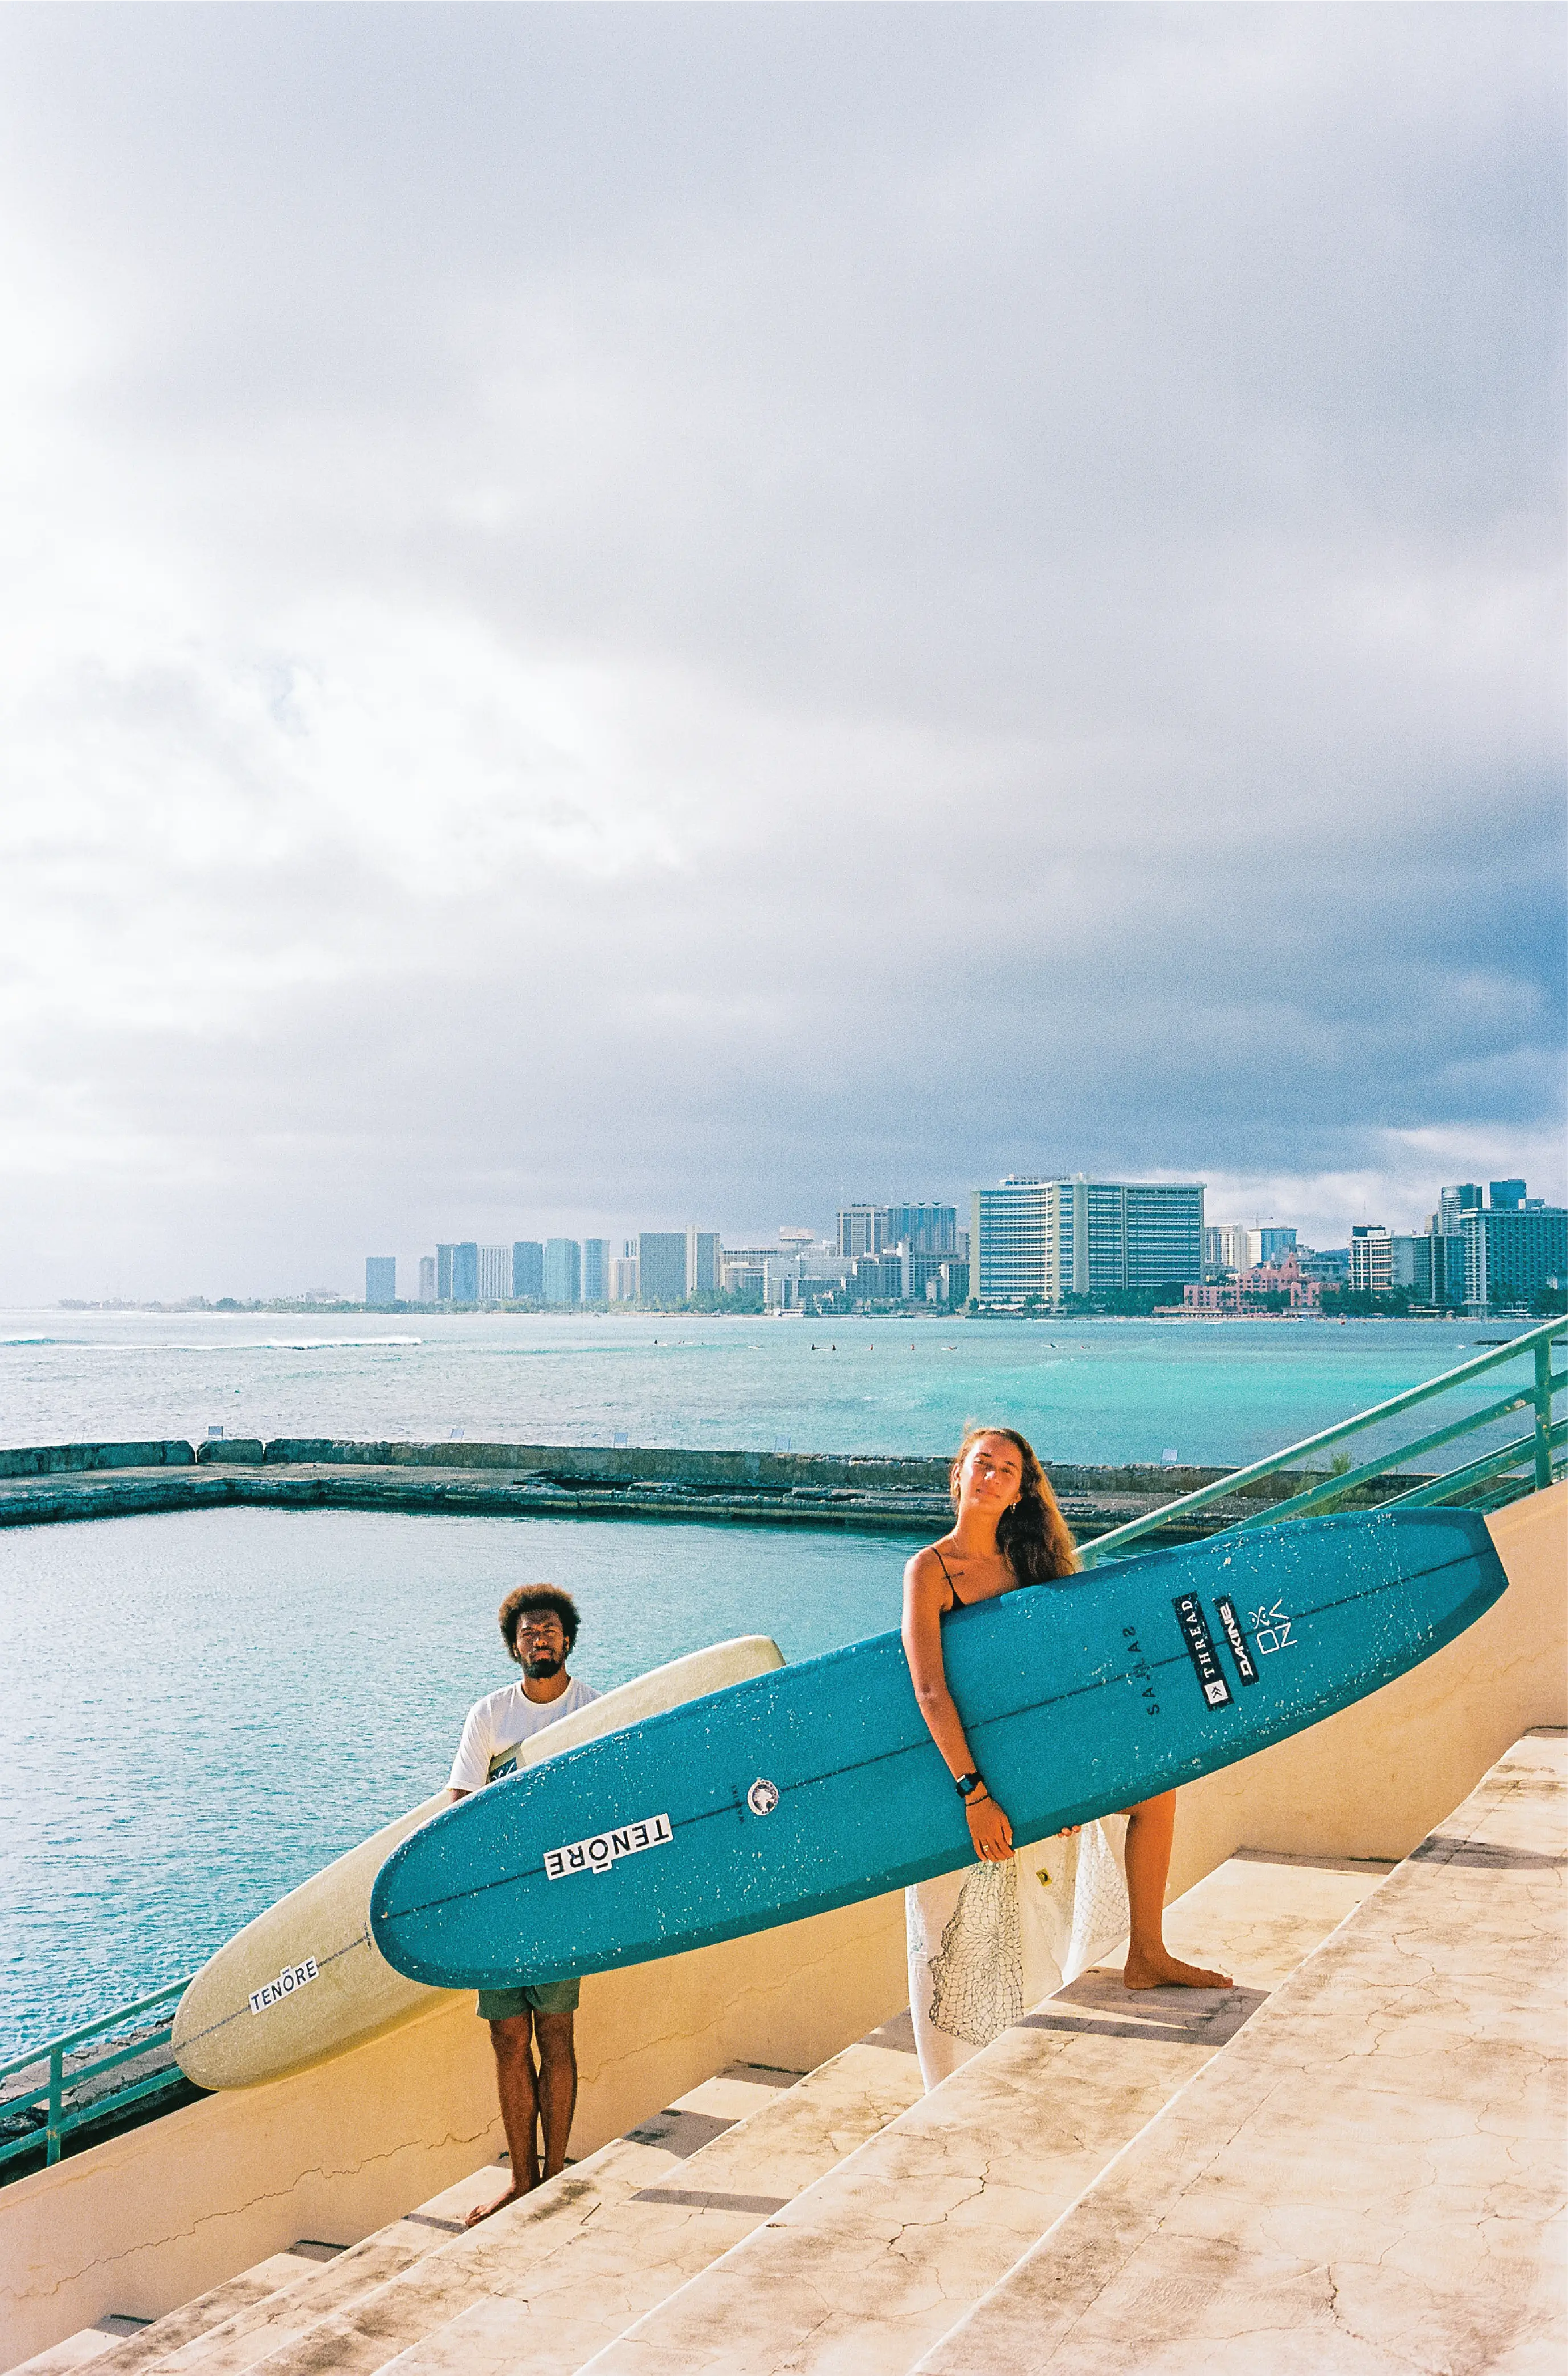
(493, 1270)
(926, 1229)
(661, 1268)
(562, 1271)
(1048, 1238)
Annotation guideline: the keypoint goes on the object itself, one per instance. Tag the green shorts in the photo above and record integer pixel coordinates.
(550, 1996)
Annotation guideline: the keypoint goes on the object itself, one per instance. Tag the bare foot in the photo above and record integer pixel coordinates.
(486, 2210)
(1166, 1971)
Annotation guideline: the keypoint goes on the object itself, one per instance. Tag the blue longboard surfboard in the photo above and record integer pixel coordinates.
(820, 1785)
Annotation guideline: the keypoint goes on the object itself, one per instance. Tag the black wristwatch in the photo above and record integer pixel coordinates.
(967, 1784)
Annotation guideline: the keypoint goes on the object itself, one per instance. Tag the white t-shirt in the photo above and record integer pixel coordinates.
(494, 1725)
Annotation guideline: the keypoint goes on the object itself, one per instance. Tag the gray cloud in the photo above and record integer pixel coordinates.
(619, 611)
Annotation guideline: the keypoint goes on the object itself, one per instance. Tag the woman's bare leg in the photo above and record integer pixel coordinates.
(1150, 1830)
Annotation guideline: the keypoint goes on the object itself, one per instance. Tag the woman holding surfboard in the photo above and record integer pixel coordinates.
(1004, 1932)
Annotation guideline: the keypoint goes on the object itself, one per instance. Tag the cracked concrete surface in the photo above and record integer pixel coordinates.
(285, 2291)
(550, 2278)
(1371, 2181)
(860, 2274)
(549, 2313)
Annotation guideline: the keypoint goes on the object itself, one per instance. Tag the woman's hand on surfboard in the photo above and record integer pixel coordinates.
(989, 1829)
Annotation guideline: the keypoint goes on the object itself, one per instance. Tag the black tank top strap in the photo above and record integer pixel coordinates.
(942, 1563)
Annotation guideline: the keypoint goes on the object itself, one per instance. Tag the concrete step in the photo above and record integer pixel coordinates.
(256, 2328)
(595, 2247)
(1371, 2179)
(868, 2267)
(116, 2344)
(75, 2351)
(314, 2276)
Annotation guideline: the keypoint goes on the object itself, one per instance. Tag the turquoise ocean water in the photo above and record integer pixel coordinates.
(202, 1708)
(1220, 1391)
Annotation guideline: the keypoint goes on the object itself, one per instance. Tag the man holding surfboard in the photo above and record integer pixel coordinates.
(539, 1625)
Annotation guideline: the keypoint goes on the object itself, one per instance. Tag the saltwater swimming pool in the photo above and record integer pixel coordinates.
(200, 1710)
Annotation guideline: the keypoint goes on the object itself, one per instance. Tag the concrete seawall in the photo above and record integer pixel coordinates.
(68, 1459)
(45, 1484)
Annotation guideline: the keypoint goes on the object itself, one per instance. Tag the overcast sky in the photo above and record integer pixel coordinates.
(622, 613)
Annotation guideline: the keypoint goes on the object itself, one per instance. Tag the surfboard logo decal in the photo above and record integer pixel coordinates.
(762, 1796)
(1231, 1626)
(603, 1850)
(292, 1977)
(1271, 1630)
(1201, 1650)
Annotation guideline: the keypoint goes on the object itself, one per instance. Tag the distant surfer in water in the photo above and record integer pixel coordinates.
(539, 1626)
(987, 1941)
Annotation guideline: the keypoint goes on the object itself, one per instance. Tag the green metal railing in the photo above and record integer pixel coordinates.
(52, 2091)
(1523, 1466)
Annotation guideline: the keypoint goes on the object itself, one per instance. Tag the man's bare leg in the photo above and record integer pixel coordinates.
(512, 2041)
(1151, 1828)
(557, 2085)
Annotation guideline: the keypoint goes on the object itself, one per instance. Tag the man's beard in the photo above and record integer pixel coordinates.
(541, 1665)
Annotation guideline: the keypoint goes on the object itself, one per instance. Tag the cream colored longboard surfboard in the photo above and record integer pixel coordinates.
(304, 1980)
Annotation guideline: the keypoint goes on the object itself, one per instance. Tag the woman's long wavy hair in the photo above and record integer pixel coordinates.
(1034, 1534)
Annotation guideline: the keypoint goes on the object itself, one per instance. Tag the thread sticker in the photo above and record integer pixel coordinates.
(292, 1977)
(603, 1850)
(1201, 1649)
(762, 1796)
(1231, 1626)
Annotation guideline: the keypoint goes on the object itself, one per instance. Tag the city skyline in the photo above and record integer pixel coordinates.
(1269, 1234)
(635, 610)
(472, 1273)
(1028, 1237)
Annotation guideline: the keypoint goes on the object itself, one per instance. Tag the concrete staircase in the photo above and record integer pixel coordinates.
(881, 2255)
(1343, 2162)
(1371, 2180)
(568, 2267)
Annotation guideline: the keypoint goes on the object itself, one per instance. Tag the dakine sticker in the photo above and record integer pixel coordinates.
(1201, 1649)
(603, 1850)
(1231, 1626)
(293, 1976)
(762, 1796)
(1271, 1630)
